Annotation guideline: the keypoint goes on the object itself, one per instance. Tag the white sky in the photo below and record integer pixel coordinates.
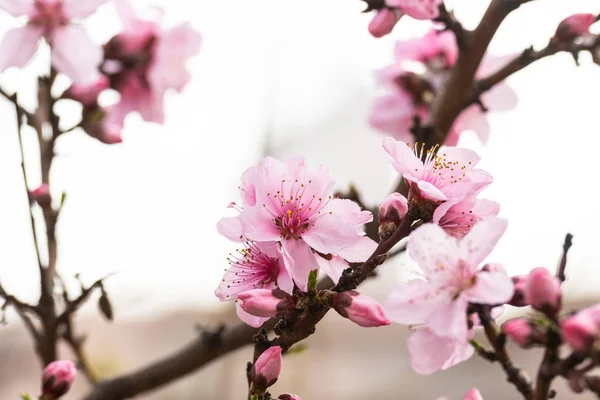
(301, 72)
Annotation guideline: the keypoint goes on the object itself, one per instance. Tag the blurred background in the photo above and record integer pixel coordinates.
(283, 77)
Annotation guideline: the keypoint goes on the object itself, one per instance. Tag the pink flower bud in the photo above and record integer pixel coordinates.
(473, 394)
(264, 303)
(543, 291)
(88, 94)
(58, 378)
(520, 331)
(574, 26)
(288, 396)
(579, 331)
(267, 367)
(519, 298)
(384, 21)
(390, 214)
(41, 195)
(362, 310)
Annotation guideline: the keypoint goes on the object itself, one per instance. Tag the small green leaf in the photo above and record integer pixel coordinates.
(25, 396)
(312, 279)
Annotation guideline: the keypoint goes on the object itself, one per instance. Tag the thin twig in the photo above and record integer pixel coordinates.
(562, 265)
(74, 305)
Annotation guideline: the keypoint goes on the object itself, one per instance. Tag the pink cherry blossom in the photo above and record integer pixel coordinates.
(574, 26)
(521, 331)
(255, 266)
(160, 56)
(265, 303)
(452, 279)
(418, 9)
(293, 204)
(72, 51)
(87, 95)
(458, 216)
(268, 366)
(383, 22)
(360, 309)
(58, 378)
(410, 92)
(544, 291)
(430, 353)
(446, 175)
(581, 330)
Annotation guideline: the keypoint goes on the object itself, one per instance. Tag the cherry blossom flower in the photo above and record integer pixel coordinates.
(574, 26)
(268, 367)
(581, 330)
(145, 61)
(418, 9)
(72, 51)
(293, 204)
(360, 309)
(458, 216)
(384, 21)
(412, 82)
(447, 175)
(58, 378)
(255, 266)
(452, 279)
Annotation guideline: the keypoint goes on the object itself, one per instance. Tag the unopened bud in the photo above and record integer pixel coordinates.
(360, 309)
(88, 94)
(57, 379)
(522, 332)
(287, 396)
(384, 21)
(267, 368)
(41, 195)
(579, 331)
(264, 303)
(575, 26)
(543, 291)
(391, 212)
(519, 297)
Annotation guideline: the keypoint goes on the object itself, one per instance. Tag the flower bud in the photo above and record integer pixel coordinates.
(384, 21)
(362, 310)
(522, 332)
(579, 331)
(519, 298)
(391, 212)
(543, 291)
(41, 195)
(267, 368)
(288, 396)
(88, 94)
(264, 303)
(473, 394)
(57, 379)
(574, 26)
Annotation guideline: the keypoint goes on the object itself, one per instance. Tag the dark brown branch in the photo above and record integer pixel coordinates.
(452, 24)
(73, 306)
(22, 310)
(562, 265)
(498, 341)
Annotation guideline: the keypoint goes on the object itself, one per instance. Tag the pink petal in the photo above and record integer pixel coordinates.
(480, 241)
(491, 287)
(449, 319)
(81, 8)
(413, 302)
(231, 228)
(475, 120)
(393, 114)
(360, 251)
(403, 157)
(17, 8)
(18, 46)
(247, 189)
(257, 225)
(333, 268)
(431, 353)
(431, 247)
(300, 260)
(473, 394)
(250, 319)
(485, 208)
(75, 55)
(430, 192)
(418, 9)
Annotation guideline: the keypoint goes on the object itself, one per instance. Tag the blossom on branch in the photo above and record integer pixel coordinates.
(360, 309)
(581, 330)
(57, 379)
(387, 17)
(72, 51)
(293, 205)
(458, 216)
(452, 279)
(267, 367)
(430, 352)
(573, 27)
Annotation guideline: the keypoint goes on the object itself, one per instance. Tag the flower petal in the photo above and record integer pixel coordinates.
(17, 8)
(333, 268)
(81, 8)
(300, 260)
(431, 353)
(432, 248)
(18, 46)
(360, 251)
(449, 318)
(75, 55)
(412, 302)
(231, 228)
(257, 225)
(480, 242)
(491, 287)
(250, 319)
(402, 156)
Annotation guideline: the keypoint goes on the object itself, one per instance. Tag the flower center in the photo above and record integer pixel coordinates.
(418, 87)
(437, 168)
(49, 14)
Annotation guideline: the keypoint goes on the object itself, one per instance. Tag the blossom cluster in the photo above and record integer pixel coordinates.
(141, 63)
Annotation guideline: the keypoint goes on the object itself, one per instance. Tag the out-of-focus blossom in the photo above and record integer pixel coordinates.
(430, 352)
(360, 309)
(41, 195)
(146, 60)
(100, 124)
(543, 291)
(418, 9)
(72, 51)
(522, 332)
(446, 175)
(575, 26)
(452, 279)
(520, 297)
(58, 378)
(293, 204)
(581, 330)
(87, 95)
(383, 21)
(458, 216)
(411, 91)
